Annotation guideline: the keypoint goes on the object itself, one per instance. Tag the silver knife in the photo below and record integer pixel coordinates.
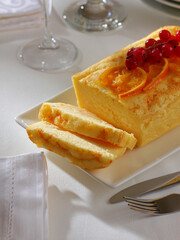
(146, 186)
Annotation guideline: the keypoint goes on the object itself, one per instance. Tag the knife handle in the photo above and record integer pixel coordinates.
(174, 180)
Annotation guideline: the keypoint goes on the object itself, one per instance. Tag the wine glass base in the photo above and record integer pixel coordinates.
(113, 20)
(48, 59)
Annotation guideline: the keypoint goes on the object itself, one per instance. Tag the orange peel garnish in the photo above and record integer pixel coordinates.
(156, 80)
(138, 88)
(110, 74)
(122, 81)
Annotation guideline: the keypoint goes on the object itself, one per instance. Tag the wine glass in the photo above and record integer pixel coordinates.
(48, 53)
(95, 15)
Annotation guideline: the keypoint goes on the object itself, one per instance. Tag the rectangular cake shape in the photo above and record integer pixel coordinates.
(147, 115)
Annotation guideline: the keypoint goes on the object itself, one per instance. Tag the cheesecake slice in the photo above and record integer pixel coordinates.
(81, 121)
(82, 151)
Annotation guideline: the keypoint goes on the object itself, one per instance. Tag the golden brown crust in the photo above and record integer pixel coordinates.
(119, 56)
(82, 151)
(139, 114)
(81, 121)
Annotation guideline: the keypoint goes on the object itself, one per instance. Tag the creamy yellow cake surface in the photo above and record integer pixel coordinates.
(81, 121)
(85, 152)
(147, 115)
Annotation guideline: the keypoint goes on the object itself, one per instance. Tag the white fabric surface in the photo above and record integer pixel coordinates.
(23, 198)
(20, 14)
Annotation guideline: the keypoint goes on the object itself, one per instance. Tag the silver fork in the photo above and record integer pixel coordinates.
(166, 204)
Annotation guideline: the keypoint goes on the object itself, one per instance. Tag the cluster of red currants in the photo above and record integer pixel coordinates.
(154, 50)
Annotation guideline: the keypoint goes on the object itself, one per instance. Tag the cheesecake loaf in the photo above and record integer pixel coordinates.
(82, 151)
(148, 114)
(81, 121)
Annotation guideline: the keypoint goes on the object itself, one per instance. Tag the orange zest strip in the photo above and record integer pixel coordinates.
(136, 89)
(122, 81)
(109, 74)
(126, 83)
(155, 81)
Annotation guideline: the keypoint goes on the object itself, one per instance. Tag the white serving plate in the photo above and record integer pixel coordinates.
(164, 9)
(175, 1)
(169, 3)
(126, 167)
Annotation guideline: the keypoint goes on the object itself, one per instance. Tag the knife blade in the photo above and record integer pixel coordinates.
(146, 186)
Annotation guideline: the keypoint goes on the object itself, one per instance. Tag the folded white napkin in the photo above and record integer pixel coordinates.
(20, 14)
(23, 197)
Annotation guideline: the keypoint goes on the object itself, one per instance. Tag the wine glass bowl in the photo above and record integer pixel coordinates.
(48, 53)
(95, 15)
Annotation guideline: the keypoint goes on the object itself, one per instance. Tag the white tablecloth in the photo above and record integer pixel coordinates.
(78, 207)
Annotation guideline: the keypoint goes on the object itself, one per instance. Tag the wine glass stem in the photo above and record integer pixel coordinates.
(95, 9)
(48, 42)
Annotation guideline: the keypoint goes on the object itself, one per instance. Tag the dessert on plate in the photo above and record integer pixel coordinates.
(136, 89)
(128, 99)
(83, 122)
(85, 152)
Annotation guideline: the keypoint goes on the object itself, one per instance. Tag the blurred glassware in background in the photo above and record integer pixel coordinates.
(95, 15)
(48, 53)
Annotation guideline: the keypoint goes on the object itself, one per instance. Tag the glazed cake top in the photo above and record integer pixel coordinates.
(144, 103)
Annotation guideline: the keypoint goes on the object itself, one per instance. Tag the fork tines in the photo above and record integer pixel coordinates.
(142, 205)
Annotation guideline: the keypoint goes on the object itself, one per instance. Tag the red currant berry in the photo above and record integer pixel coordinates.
(177, 51)
(140, 54)
(167, 50)
(178, 36)
(164, 35)
(130, 52)
(150, 42)
(159, 43)
(155, 55)
(173, 41)
(131, 63)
